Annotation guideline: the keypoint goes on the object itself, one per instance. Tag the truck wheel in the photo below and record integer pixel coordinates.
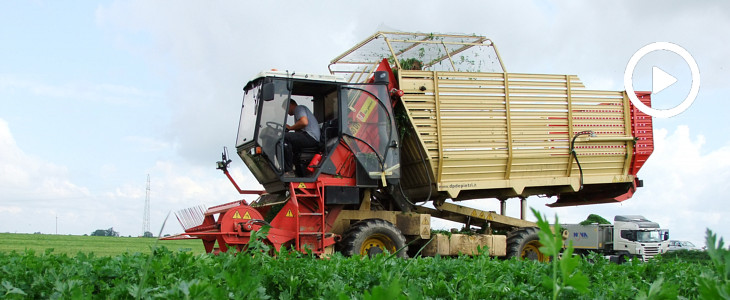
(371, 237)
(524, 243)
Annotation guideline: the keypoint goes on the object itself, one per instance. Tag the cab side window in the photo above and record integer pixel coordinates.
(627, 234)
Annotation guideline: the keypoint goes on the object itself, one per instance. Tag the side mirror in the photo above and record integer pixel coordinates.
(267, 91)
(381, 77)
(224, 162)
(666, 235)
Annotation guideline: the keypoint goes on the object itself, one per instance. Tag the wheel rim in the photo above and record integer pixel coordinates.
(377, 243)
(531, 251)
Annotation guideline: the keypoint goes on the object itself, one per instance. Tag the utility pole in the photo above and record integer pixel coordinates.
(146, 221)
(56, 224)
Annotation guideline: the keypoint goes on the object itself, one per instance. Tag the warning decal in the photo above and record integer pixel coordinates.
(302, 185)
(366, 109)
(473, 213)
(246, 216)
(236, 215)
(289, 214)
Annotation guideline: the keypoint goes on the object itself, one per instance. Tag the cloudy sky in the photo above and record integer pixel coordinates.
(96, 95)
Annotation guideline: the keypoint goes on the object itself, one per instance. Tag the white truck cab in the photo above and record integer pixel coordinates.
(639, 237)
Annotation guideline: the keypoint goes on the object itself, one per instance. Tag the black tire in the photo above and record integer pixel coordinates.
(524, 243)
(371, 237)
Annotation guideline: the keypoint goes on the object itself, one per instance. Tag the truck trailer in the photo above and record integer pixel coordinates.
(630, 236)
(409, 119)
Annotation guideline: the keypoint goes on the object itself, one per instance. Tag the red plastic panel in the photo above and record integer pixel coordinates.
(642, 130)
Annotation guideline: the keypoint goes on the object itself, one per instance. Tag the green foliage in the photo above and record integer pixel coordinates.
(593, 218)
(293, 275)
(658, 291)
(694, 256)
(565, 273)
(411, 64)
(715, 283)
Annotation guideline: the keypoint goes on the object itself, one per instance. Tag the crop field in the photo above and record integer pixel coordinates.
(167, 273)
(99, 245)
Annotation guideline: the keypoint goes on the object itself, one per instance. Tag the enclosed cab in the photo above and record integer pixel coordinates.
(639, 237)
(358, 115)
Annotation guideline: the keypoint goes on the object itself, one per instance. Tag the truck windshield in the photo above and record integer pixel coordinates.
(648, 236)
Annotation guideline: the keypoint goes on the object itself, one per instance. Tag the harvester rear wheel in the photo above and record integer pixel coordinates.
(371, 237)
(524, 243)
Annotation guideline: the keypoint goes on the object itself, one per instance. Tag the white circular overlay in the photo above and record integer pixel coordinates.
(629, 84)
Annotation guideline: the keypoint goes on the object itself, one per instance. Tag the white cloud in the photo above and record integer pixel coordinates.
(32, 187)
(209, 51)
(28, 185)
(84, 91)
(25, 176)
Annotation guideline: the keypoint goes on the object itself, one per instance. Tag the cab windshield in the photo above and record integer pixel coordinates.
(247, 122)
(648, 236)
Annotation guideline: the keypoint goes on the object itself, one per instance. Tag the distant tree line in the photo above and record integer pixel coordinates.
(105, 232)
(111, 232)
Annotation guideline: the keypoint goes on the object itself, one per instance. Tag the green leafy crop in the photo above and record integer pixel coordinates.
(564, 266)
(293, 275)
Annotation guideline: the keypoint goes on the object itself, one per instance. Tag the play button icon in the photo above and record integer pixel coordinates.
(660, 80)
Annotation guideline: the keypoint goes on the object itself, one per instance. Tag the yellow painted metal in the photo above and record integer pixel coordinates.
(392, 52)
(501, 62)
(495, 134)
(377, 240)
(448, 55)
(410, 224)
(459, 213)
(438, 125)
(462, 244)
(571, 132)
(532, 251)
(365, 203)
(507, 110)
(513, 131)
(629, 145)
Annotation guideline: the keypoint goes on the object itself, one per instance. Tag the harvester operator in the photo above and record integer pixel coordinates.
(304, 133)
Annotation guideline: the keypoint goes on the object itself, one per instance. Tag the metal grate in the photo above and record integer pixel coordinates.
(424, 51)
(190, 217)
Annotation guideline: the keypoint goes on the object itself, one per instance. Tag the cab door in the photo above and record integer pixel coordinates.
(368, 128)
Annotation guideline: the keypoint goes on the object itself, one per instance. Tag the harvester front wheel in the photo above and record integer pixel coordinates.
(524, 243)
(371, 237)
